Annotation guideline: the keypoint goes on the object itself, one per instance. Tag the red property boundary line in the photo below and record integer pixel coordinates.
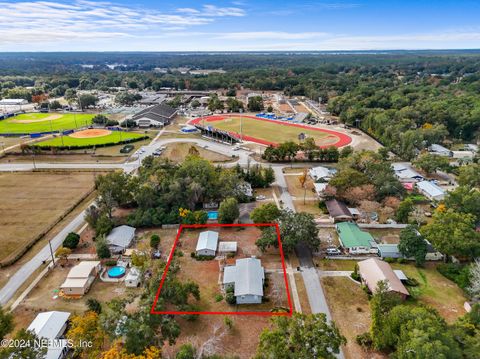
(343, 139)
(260, 313)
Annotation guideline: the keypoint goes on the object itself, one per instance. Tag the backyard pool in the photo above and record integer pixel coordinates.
(116, 272)
(213, 215)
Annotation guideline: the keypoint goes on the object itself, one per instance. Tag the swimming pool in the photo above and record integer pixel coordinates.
(116, 272)
(212, 215)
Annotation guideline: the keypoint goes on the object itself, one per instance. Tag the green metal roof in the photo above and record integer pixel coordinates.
(352, 236)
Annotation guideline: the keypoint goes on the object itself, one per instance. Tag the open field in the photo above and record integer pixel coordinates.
(77, 140)
(45, 122)
(33, 201)
(350, 310)
(271, 132)
(211, 270)
(177, 152)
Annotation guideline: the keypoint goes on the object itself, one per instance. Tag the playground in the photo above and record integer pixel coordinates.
(272, 132)
(28, 123)
(91, 137)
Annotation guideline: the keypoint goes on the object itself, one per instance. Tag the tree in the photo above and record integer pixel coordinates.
(27, 350)
(301, 336)
(453, 233)
(6, 323)
(126, 98)
(347, 178)
(266, 213)
(464, 199)
(474, 287)
(255, 104)
(469, 175)
(100, 119)
(55, 105)
(104, 225)
(295, 228)
(431, 163)
(87, 328)
(228, 211)
(102, 248)
(413, 245)
(87, 100)
(302, 179)
(154, 241)
(94, 305)
(403, 211)
(71, 240)
(63, 253)
(117, 352)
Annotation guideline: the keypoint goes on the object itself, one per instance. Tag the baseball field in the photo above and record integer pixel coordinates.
(44, 122)
(91, 137)
(272, 132)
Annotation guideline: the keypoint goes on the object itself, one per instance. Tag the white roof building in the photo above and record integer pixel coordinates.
(247, 276)
(439, 150)
(320, 188)
(207, 242)
(83, 269)
(320, 172)
(13, 102)
(120, 238)
(52, 326)
(431, 190)
(227, 247)
(405, 173)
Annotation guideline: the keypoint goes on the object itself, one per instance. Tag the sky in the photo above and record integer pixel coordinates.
(238, 25)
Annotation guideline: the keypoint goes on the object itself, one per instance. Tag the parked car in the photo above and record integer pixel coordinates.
(333, 251)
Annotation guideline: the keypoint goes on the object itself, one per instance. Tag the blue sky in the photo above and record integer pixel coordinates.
(237, 25)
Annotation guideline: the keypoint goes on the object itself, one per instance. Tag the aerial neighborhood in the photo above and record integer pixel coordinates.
(237, 205)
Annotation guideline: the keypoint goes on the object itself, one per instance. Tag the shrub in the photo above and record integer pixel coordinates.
(228, 322)
(71, 240)
(364, 340)
(111, 263)
(94, 305)
(204, 258)
(402, 260)
(192, 254)
(412, 282)
(218, 297)
(355, 276)
(102, 248)
(389, 259)
(154, 241)
(456, 272)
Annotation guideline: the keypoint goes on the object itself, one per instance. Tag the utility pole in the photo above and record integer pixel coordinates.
(51, 252)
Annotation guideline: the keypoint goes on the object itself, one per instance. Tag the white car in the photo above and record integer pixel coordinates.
(260, 197)
(333, 251)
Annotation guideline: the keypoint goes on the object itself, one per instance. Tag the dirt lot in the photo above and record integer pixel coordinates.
(211, 270)
(32, 201)
(178, 151)
(344, 296)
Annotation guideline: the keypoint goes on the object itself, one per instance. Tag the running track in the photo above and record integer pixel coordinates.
(343, 139)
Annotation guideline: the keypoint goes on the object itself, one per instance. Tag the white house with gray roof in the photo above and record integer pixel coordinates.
(52, 326)
(247, 277)
(207, 243)
(120, 238)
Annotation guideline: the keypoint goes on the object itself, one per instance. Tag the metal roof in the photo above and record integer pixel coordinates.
(207, 240)
(352, 236)
(227, 247)
(374, 270)
(337, 209)
(430, 188)
(121, 236)
(83, 269)
(247, 274)
(49, 324)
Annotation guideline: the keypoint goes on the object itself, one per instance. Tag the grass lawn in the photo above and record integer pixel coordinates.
(44, 122)
(335, 264)
(177, 152)
(114, 137)
(435, 290)
(270, 131)
(32, 201)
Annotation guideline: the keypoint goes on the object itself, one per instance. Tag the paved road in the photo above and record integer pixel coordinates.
(27, 270)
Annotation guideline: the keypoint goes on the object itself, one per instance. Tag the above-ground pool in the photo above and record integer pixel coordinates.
(116, 272)
(212, 215)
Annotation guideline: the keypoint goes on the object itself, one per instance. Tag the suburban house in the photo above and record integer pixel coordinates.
(245, 189)
(247, 277)
(338, 211)
(207, 244)
(80, 278)
(13, 102)
(120, 238)
(439, 150)
(391, 251)
(321, 173)
(52, 326)
(431, 190)
(320, 188)
(157, 116)
(405, 173)
(133, 278)
(227, 247)
(354, 240)
(374, 270)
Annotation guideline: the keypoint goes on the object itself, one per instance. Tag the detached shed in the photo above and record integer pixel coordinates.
(207, 243)
(133, 278)
(227, 247)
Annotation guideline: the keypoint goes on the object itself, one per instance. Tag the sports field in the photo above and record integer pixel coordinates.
(44, 122)
(272, 132)
(90, 137)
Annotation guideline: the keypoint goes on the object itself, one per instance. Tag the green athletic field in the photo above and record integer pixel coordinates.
(114, 137)
(44, 122)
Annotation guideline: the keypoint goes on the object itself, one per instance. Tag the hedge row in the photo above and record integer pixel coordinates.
(109, 144)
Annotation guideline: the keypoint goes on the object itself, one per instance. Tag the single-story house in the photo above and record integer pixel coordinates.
(158, 116)
(227, 247)
(391, 251)
(338, 211)
(320, 188)
(133, 278)
(439, 150)
(431, 190)
(354, 240)
(247, 277)
(120, 238)
(80, 278)
(13, 102)
(374, 270)
(405, 173)
(207, 243)
(321, 173)
(245, 188)
(52, 326)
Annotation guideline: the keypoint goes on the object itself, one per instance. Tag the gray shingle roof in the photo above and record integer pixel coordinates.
(121, 236)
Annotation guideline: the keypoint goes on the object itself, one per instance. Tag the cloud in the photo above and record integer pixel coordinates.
(52, 21)
(268, 35)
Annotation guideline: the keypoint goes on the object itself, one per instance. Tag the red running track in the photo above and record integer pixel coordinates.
(343, 139)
